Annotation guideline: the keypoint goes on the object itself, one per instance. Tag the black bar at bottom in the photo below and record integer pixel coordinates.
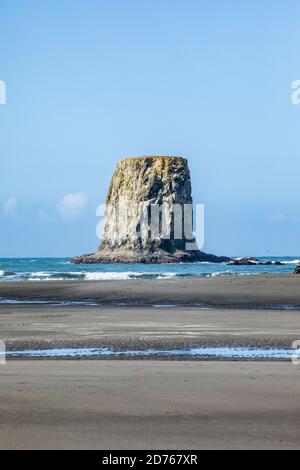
(137, 458)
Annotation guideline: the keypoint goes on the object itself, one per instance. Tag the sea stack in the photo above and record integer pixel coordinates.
(143, 188)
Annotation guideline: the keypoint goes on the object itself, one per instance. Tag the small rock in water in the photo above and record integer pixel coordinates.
(251, 261)
(297, 269)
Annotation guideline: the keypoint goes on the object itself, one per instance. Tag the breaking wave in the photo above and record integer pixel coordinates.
(294, 261)
(6, 273)
(87, 276)
(61, 269)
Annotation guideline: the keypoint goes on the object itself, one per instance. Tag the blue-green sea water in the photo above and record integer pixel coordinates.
(44, 269)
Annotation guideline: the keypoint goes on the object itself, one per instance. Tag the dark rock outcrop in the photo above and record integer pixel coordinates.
(297, 269)
(138, 184)
(251, 261)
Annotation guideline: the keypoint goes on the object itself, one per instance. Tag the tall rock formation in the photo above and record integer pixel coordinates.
(148, 202)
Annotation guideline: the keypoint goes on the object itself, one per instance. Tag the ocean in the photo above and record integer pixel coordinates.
(47, 269)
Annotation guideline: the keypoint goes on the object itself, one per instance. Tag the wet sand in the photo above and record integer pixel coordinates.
(230, 291)
(158, 404)
(149, 404)
(43, 326)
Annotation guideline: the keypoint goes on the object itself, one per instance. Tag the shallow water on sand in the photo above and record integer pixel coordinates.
(204, 352)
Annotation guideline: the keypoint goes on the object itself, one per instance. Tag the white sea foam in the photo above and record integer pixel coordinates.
(294, 261)
(222, 273)
(101, 276)
(40, 274)
(167, 275)
(52, 275)
(87, 275)
(97, 276)
(5, 273)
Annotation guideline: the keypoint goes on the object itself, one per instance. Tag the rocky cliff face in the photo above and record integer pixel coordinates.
(146, 196)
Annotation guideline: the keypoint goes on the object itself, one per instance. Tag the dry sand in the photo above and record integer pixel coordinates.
(149, 404)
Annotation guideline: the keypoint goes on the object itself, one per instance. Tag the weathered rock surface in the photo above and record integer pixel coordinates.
(138, 184)
(297, 269)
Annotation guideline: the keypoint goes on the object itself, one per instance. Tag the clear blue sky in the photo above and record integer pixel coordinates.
(89, 82)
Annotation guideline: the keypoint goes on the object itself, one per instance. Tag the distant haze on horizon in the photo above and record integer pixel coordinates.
(89, 83)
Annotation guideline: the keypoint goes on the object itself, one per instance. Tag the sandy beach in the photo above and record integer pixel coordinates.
(260, 311)
(149, 405)
(129, 328)
(143, 404)
(224, 291)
